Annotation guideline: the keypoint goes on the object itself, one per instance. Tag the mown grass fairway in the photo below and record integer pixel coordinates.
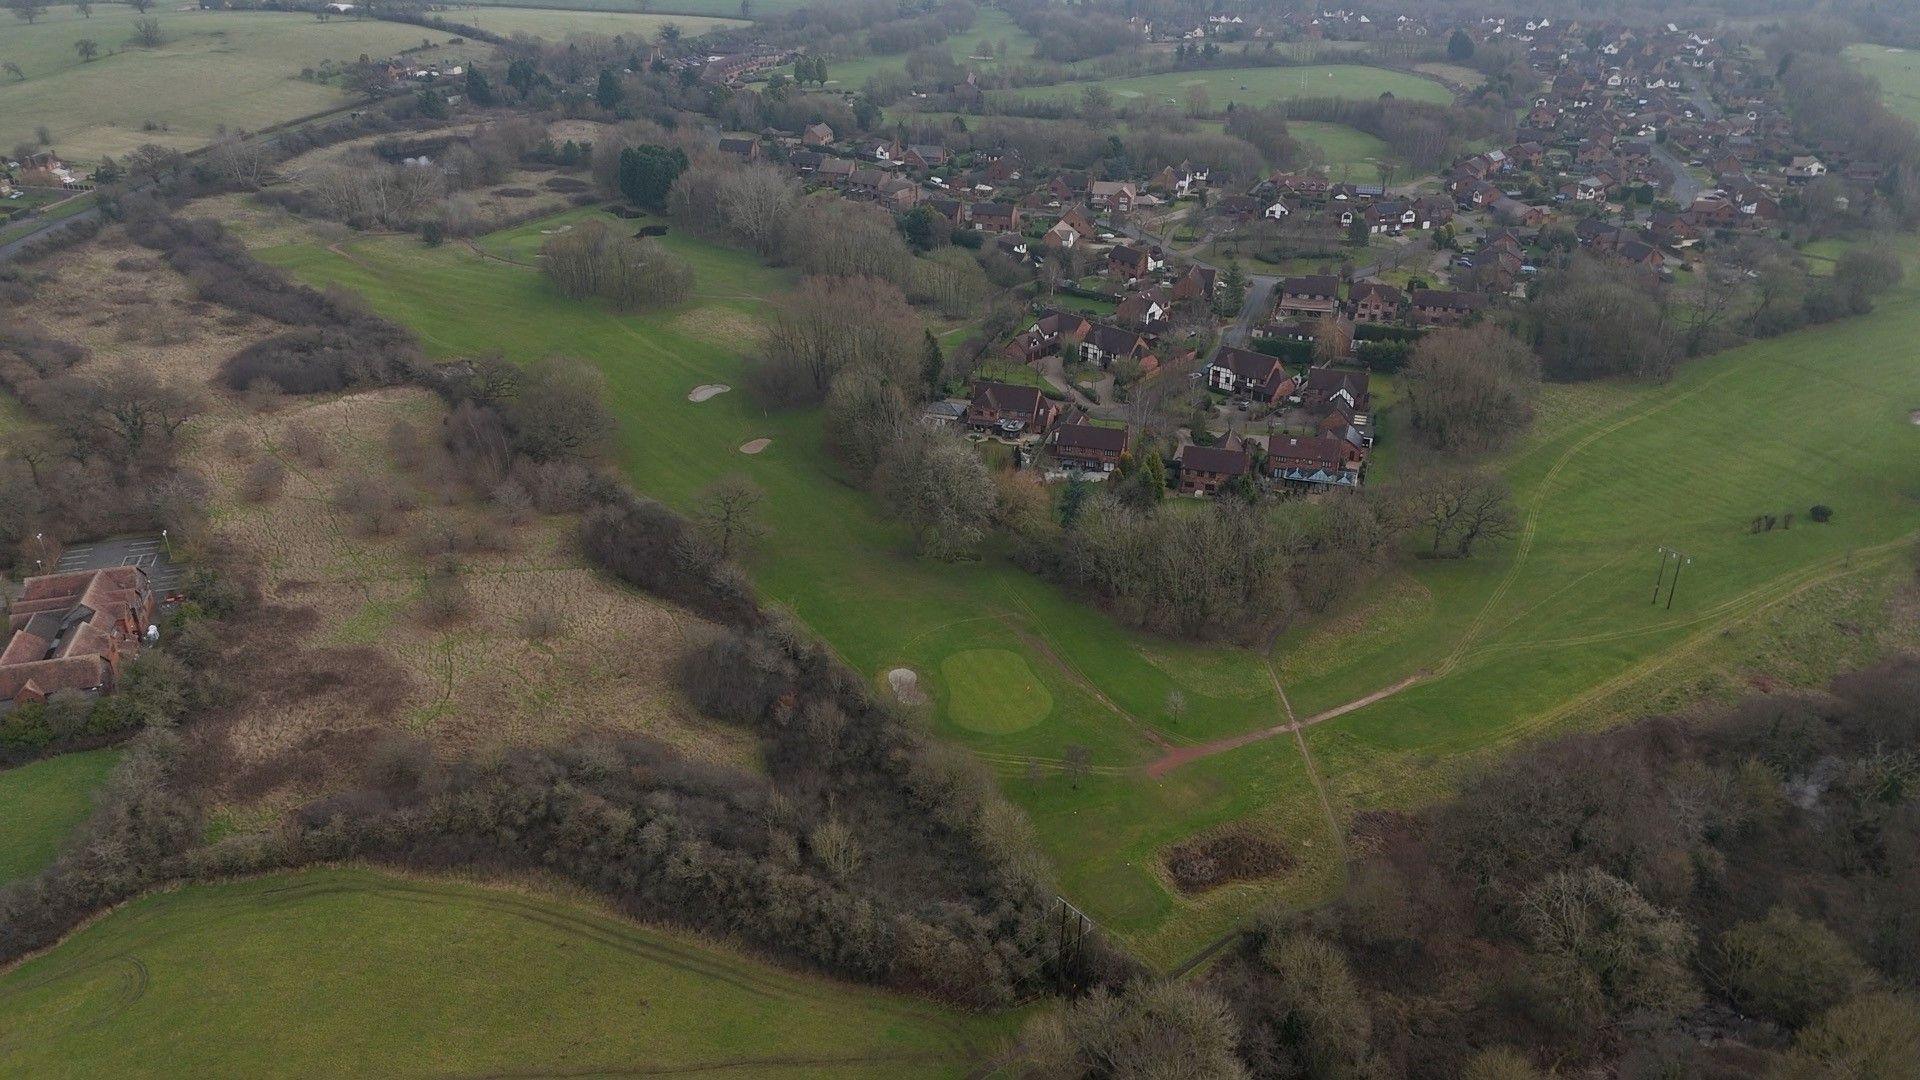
(359, 973)
(240, 69)
(1348, 153)
(43, 802)
(1246, 86)
(1543, 633)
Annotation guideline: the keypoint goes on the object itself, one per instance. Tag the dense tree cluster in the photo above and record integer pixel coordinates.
(591, 259)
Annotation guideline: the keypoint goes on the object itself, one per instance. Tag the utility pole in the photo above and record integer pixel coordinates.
(1680, 559)
(1660, 578)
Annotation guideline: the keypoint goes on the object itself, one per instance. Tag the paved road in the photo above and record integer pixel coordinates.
(13, 248)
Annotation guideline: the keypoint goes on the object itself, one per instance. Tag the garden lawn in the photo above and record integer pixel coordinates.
(1532, 635)
(240, 69)
(42, 803)
(1245, 86)
(360, 973)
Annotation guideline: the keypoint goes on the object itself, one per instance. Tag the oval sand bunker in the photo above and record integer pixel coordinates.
(707, 390)
(755, 446)
(906, 686)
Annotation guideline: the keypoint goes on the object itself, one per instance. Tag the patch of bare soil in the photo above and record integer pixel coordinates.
(566, 185)
(1235, 852)
(515, 193)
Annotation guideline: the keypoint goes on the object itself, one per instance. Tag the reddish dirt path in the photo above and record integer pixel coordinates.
(1173, 759)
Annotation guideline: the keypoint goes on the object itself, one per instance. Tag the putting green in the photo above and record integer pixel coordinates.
(994, 692)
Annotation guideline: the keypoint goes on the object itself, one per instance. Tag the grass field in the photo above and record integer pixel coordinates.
(556, 24)
(359, 973)
(1246, 86)
(991, 29)
(1532, 636)
(42, 803)
(724, 9)
(239, 69)
(1348, 153)
(1897, 71)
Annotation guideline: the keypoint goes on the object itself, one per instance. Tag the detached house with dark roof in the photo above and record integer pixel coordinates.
(1011, 411)
(1241, 371)
(1318, 294)
(1090, 447)
(1204, 470)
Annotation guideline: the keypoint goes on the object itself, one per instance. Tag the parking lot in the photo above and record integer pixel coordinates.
(147, 551)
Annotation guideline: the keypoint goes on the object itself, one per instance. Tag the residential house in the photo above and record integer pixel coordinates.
(74, 631)
(816, 135)
(1317, 294)
(1130, 263)
(1804, 168)
(1091, 447)
(1441, 307)
(1242, 371)
(1196, 285)
(1104, 344)
(743, 148)
(994, 217)
(1204, 470)
(1328, 388)
(1010, 410)
(1322, 461)
(1116, 196)
(1375, 302)
(1043, 338)
(1146, 309)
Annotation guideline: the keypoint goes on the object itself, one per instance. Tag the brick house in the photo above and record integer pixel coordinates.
(1091, 447)
(1317, 294)
(1114, 195)
(1441, 307)
(1204, 470)
(1327, 389)
(1317, 461)
(1011, 410)
(74, 631)
(994, 217)
(1130, 263)
(1376, 302)
(816, 135)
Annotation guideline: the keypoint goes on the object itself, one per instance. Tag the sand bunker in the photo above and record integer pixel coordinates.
(707, 390)
(755, 446)
(906, 686)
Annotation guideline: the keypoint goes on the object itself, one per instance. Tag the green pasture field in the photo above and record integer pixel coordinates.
(1538, 634)
(1896, 70)
(990, 27)
(1245, 86)
(44, 801)
(240, 69)
(1348, 153)
(722, 9)
(352, 972)
(556, 24)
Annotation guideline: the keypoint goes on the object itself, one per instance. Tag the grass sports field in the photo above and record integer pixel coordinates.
(1536, 635)
(43, 802)
(1247, 86)
(361, 973)
(1348, 153)
(240, 69)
